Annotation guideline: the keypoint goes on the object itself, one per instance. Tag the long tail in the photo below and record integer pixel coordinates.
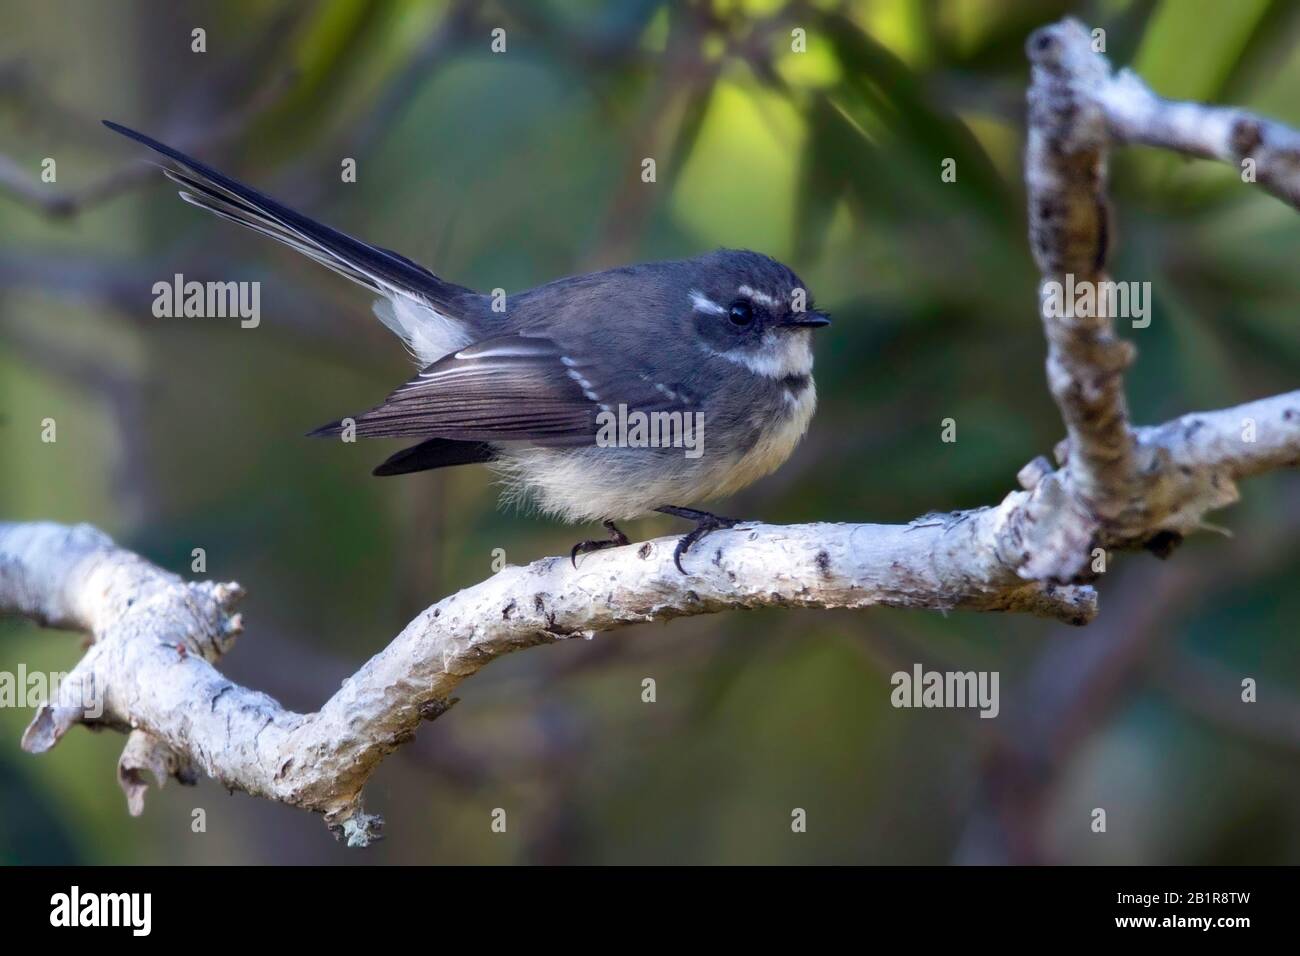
(380, 270)
(426, 311)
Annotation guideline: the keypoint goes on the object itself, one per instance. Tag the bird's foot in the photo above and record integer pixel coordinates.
(704, 523)
(616, 539)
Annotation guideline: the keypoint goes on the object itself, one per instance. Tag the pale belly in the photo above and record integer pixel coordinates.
(593, 483)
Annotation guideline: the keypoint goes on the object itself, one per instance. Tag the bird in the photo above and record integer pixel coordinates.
(711, 357)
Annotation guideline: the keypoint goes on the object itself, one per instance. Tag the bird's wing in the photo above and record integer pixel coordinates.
(508, 388)
(380, 270)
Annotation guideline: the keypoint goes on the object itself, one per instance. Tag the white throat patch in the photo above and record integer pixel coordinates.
(781, 354)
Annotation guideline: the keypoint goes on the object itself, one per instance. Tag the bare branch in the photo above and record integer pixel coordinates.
(1264, 151)
(155, 635)
(1069, 230)
(1120, 488)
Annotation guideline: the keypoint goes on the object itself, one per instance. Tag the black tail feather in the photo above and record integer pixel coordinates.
(435, 453)
(244, 204)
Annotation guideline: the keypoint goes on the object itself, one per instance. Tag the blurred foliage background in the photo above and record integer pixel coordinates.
(511, 169)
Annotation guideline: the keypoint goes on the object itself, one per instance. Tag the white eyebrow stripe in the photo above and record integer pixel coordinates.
(703, 303)
(757, 296)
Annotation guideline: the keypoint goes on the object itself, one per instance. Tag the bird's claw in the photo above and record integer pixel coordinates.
(616, 539)
(704, 524)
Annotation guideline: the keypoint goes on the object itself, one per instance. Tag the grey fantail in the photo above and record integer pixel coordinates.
(596, 397)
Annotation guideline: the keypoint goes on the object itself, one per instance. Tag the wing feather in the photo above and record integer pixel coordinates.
(503, 389)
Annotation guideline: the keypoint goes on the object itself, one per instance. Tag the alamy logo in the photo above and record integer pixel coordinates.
(103, 909)
(1085, 299)
(30, 689)
(637, 429)
(208, 300)
(955, 689)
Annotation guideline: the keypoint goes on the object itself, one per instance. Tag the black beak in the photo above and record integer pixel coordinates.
(807, 320)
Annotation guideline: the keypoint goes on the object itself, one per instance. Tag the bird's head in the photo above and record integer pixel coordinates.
(753, 311)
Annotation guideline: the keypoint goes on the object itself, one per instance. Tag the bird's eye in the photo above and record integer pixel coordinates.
(741, 312)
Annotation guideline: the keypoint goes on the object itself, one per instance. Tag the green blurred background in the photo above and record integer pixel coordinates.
(511, 169)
